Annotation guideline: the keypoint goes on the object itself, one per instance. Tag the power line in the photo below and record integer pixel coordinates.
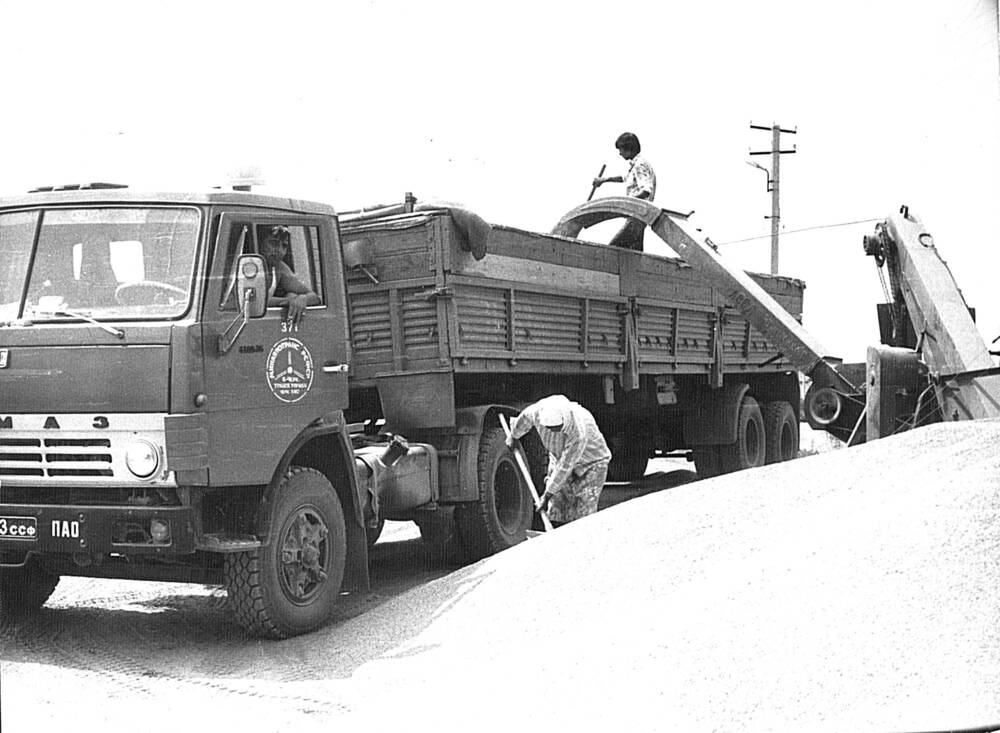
(805, 229)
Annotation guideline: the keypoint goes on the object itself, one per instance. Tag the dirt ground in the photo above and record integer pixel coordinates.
(851, 590)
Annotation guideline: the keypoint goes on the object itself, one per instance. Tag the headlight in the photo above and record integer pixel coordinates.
(142, 458)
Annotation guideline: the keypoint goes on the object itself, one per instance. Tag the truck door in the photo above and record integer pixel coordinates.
(277, 377)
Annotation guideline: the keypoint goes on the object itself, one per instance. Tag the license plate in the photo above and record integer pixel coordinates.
(18, 528)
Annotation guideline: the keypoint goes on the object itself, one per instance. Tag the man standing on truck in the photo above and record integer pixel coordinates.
(578, 456)
(283, 287)
(640, 183)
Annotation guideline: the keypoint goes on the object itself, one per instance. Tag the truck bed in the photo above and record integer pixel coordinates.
(539, 303)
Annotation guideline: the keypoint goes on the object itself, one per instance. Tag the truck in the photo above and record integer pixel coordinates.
(159, 420)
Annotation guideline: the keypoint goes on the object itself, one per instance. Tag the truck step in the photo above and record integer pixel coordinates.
(227, 543)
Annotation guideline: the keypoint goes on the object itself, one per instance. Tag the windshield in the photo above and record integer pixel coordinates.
(105, 264)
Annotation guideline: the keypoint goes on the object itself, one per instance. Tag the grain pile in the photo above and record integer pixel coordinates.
(855, 590)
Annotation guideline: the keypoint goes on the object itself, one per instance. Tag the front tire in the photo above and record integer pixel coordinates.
(25, 589)
(290, 585)
(501, 517)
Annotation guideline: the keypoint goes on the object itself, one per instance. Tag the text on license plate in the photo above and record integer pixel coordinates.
(18, 528)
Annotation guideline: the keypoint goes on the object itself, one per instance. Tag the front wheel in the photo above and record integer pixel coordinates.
(290, 585)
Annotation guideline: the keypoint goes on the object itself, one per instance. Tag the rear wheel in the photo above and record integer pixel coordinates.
(781, 432)
(501, 517)
(748, 450)
(25, 589)
(290, 585)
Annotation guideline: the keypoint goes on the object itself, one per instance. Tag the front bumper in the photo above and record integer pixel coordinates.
(94, 530)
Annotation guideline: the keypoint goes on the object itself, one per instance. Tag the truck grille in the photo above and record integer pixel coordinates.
(56, 457)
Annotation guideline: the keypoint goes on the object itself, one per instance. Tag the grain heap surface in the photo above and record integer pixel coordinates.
(854, 590)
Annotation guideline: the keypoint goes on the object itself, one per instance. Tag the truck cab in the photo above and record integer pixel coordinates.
(158, 408)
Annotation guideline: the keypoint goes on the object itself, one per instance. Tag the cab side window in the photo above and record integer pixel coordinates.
(302, 255)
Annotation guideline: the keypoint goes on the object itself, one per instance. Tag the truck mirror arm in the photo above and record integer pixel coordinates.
(229, 337)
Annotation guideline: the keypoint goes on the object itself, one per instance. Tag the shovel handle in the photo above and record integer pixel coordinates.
(594, 188)
(522, 463)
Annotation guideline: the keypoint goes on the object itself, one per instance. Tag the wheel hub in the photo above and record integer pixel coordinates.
(304, 555)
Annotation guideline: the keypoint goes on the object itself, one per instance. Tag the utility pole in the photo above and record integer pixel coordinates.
(772, 183)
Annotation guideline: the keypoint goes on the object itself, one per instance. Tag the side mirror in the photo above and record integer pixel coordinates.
(251, 290)
(251, 285)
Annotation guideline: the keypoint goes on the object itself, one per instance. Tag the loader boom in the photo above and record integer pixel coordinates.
(965, 381)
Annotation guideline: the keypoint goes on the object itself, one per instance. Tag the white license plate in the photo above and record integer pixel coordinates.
(18, 528)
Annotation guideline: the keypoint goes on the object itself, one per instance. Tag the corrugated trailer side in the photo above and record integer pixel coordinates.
(540, 304)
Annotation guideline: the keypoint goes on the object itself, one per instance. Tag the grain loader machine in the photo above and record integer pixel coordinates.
(933, 364)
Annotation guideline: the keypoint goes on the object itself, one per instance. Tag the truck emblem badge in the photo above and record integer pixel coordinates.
(289, 370)
(4, 356)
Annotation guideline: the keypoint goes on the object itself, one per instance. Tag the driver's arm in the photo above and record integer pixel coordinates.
(297, 295)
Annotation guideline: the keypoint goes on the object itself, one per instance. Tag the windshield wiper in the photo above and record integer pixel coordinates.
(83, 317)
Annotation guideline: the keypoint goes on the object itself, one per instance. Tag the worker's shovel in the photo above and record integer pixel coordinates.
(522, 463)
(594, 188)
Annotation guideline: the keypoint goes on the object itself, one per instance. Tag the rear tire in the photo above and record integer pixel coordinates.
(25, 589)
(290, 585)
(748, 450)
(501, 517)
(781, 432)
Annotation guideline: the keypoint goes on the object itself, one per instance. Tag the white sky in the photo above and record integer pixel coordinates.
(512, 108)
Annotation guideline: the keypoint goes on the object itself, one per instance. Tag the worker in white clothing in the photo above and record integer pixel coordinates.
(578, 455)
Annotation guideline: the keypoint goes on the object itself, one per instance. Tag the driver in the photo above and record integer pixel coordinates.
(283, 287)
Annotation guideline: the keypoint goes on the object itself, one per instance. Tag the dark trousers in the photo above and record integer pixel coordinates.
(630, 236)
